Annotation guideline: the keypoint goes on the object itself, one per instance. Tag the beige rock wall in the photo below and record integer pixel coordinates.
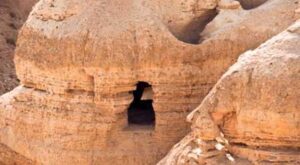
(253, 111)
(10, 157)
(79, 60)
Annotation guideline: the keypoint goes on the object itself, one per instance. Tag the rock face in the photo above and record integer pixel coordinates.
(10, 157)
(252, 114)
(80, 61)
(12, 15)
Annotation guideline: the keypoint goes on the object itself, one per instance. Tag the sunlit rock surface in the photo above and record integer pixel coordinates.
(252, 114)
(79, 62)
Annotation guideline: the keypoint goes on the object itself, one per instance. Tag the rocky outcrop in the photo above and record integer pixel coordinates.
(252, 114)
(79, 61)
(10, 157)
(12, 15)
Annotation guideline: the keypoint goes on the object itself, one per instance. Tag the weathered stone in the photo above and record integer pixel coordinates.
(255, 105)
(78, 62)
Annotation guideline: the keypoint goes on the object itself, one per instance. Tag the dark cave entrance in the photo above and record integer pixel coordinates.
(140, 111)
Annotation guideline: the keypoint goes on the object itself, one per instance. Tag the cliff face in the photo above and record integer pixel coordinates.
(252, 115)
(80, 61)
(13, 13)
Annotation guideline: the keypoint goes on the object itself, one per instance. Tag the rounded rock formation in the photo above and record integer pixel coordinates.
(80, 62)
(252, 114)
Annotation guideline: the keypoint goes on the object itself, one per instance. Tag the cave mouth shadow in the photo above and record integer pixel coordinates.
(141, 111)
(251, 4)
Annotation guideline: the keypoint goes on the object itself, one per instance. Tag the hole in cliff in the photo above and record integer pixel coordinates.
(190, 33)
(140, 111)
(251, 4)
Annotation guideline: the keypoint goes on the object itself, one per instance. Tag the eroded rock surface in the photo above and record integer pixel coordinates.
(252, 114)
(79, 61)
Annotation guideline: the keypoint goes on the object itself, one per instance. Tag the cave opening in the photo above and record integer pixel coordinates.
(191, 31)
(251, 4)
(141, 111)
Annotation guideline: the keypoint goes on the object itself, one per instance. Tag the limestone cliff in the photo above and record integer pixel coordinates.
(80, 63)
(252, 114)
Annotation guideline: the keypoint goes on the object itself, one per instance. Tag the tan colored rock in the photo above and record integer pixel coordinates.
(229, 4)
(10, 157)
(79, 61)
(255, 105)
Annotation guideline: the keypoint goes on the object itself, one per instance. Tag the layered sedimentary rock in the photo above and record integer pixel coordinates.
(79, 60)
(10, 157)
(12, 15)
(252, 114)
